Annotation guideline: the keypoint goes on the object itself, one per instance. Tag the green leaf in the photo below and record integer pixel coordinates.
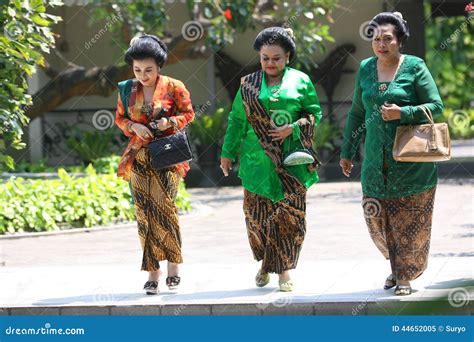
(11, 12)
(37, 19)
(7, 161)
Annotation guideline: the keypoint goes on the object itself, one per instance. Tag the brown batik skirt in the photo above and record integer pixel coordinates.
(276, 231)
(154, 194)
(401, 230)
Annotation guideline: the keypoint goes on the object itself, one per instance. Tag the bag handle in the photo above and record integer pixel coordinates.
(428, 114)
(432, 142)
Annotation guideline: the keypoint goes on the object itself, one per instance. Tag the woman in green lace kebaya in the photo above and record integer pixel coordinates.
(398, 197)
(274, 111)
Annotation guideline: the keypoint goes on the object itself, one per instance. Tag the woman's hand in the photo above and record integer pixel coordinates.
(346, 166)
(226, 166)
(390, 111)
(163, 124)
(280, 133)
(142, 131)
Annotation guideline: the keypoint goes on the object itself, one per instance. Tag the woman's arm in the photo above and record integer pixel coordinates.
(310, 105)
(184, 108)
(428, 96)
(235, 129)
(354, 123)
(121, 121)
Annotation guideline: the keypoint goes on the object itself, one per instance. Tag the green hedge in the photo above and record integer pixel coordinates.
(107, 164)
(67, 202)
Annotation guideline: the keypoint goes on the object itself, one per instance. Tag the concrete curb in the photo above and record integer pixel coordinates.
(354, 308)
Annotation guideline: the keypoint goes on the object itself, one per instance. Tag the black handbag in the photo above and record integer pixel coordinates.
(170, 150)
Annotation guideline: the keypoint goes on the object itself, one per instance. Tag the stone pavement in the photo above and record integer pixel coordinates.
(96, 271)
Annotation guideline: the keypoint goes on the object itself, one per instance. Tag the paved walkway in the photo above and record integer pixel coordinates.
(339, 272)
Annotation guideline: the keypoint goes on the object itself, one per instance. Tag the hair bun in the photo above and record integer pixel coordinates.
(134, 40)
(399, 15)
(289, 30)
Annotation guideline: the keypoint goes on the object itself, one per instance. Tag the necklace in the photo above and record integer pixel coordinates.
(384, 87)
(275, 89)
(275, 93)
(147, 109)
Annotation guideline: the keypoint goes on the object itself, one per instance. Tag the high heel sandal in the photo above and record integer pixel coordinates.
(173, 282)
(286, 285)
(403, 290)
(262, 279)
(390, 282)
(151, 287)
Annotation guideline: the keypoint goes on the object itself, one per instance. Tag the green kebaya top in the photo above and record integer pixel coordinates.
(411, 87)
(283, 102)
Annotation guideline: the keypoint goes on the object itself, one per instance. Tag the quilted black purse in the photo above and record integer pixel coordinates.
(169, 150)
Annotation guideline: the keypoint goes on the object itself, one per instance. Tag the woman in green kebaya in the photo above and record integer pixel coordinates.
(274, 113)
(398, 197)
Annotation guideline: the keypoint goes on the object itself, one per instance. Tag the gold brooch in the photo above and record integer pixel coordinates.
(382, 87)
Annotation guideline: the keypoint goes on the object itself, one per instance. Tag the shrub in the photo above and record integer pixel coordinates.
(67, 202)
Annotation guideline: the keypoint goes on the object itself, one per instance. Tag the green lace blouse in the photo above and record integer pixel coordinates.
(411, 87)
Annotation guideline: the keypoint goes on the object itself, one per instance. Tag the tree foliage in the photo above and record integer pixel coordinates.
(450, 57)
(24, 38)
(208, 27)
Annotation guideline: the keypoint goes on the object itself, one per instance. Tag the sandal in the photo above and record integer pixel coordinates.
(262, 279)
(286, 286)
(151, 287)
(390, 282)
(403, 290)
(173, 282)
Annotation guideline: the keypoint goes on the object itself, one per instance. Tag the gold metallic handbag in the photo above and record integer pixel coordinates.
(422, 143)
